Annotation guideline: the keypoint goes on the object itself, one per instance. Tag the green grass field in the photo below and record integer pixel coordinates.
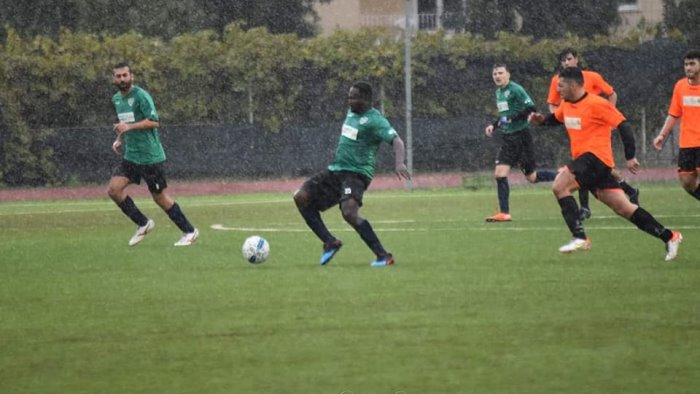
(469, 307)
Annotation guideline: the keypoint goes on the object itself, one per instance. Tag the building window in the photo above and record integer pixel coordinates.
(628, 6)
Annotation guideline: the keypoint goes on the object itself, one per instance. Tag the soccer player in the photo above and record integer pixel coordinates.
(685, 105)
(593, 83)
(589, 120)
(137, 133)
(350, 173)
(517, 148)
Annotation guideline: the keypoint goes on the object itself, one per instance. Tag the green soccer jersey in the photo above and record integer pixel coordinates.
(140, 146)
(511, 100)
(359, 141)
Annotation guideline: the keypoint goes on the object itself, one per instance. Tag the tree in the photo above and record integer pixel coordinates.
(683, 16)
(278, 16)
(542, 19)
(161, 18)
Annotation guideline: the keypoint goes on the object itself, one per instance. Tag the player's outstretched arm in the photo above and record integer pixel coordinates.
(537, 118)
(667, 128)
(400, 158)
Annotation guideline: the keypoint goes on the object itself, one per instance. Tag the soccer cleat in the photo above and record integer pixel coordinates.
(141, 232)
(634, 197)
(330, 248)
(576, 245)
(672, 245)
(383, 261)
(584, 213)
(499, 217)
(188, 238)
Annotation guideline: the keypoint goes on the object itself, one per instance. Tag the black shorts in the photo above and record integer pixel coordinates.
(592, 174)
(688, 159)
(153, 174)
(328, 188)
(518, 149)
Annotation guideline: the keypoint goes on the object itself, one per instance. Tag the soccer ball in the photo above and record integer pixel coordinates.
(256, 249)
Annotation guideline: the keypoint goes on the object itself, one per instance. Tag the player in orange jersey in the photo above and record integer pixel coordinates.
(685, 105)
(589, 120)
(593, 83)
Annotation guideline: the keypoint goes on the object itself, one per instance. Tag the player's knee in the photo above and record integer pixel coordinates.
(351, 215)
(689, 186)
(114, 193)
(301, 199)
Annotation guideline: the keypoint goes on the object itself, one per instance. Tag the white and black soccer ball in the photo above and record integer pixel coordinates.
(256, 249)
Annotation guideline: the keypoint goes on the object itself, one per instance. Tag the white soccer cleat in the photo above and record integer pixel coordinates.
(141, 232)
(672, 245)
(576, 245)
(188, 238)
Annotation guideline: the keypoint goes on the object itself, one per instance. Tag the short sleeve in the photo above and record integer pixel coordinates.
(676, 107)
(384, 130)
(553, 98)
(147, 106)
(602, 85)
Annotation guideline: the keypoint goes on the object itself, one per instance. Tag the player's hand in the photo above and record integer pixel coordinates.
(116, 145)
(121, 128)
(489, 130)
(659, 142)
(633, 165)
(535, 118)
(402, 171)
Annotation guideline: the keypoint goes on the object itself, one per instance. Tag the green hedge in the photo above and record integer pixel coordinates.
(244, 75)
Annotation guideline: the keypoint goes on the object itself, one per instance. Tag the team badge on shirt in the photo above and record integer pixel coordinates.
(130, 102)
(364, 120)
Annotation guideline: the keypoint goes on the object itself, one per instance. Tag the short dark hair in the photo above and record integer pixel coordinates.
(365, 89)
(499, 65)
(572, 73)
(121, 65)
(692, 54)
(567, 51)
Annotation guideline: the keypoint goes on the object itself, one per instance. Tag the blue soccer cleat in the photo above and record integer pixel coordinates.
(330, 248)
(383, 261)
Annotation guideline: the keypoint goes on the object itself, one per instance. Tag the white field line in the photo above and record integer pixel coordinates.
(222, 227)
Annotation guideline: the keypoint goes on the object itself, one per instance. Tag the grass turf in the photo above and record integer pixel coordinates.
(469, 307)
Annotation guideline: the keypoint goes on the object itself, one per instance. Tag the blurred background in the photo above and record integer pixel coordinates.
(256, 89)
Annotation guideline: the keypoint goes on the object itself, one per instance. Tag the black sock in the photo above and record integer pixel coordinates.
(695, 193)
(629, 190)
(503, 194)
(367, 234)
(176, 215)
(583, 195)
(312, 217)
(569, 210)
(645, 222)
(545, 176)
(129, 208)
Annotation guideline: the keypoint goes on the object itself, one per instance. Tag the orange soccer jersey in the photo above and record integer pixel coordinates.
(685, 104)
(592, 83)
(589, 123)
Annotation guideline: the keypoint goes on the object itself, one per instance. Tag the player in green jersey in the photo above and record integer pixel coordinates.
(137, 133)
(350, 173)
(514, 106)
